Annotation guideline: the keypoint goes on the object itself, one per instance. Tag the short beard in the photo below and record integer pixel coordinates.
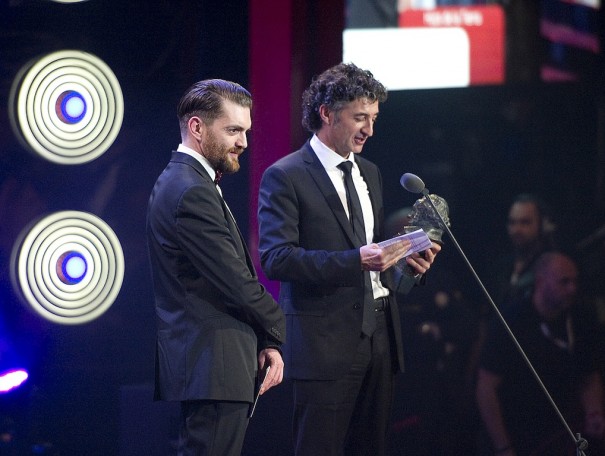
(218, 156)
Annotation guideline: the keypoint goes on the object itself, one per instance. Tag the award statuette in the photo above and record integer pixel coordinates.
(423, 217)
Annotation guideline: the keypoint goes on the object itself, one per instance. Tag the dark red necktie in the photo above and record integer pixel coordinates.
(217, 177)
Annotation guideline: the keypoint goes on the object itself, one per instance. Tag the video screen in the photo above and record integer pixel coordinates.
(423, 44)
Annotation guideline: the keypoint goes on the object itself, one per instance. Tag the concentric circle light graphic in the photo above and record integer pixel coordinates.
(67, 107)
(68, 267)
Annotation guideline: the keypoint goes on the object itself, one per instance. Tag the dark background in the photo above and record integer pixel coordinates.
(89, 387)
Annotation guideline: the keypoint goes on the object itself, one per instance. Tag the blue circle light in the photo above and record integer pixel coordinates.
(71, 107)
(71, 267)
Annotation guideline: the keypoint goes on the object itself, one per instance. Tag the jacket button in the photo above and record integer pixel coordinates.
(356, 306)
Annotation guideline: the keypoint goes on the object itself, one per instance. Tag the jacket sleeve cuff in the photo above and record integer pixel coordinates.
(266, 341)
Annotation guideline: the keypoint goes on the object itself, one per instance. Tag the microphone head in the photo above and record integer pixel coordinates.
(412, 183)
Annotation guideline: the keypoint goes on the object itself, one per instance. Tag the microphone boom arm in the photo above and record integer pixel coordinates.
(581, 443)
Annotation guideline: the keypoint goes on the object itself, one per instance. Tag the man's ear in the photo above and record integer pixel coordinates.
(325, 114)
(195, 126)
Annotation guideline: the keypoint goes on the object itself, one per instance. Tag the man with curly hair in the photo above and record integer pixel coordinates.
(320, 216)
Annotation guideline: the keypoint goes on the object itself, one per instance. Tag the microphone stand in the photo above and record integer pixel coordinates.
(581, 443)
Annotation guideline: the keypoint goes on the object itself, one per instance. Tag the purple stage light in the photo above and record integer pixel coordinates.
(12, 379)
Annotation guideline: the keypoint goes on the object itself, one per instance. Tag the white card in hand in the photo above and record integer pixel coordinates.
(260, 388)
(420, 241)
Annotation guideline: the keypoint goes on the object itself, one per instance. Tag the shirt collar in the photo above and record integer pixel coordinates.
(199, 157)
(328, 158)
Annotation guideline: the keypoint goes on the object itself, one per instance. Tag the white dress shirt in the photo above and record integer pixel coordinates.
(330, 161)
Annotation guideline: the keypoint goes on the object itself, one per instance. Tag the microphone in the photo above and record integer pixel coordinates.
(414, 184)
(423, 215)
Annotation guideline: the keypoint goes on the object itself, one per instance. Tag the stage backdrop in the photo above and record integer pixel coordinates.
(89, 389)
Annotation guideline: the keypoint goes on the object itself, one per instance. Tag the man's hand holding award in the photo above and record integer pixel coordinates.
(423, 228)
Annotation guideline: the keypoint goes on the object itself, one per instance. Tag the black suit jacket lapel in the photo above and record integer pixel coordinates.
(237, 235)
(326, 187)
(375, 193)
(241, 247)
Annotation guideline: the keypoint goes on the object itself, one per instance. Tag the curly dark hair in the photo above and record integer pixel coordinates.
(204, 99)
(336, 87)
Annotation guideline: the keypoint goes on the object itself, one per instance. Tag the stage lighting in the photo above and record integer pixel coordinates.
(66, 106)
(12, 379)
(68, 267)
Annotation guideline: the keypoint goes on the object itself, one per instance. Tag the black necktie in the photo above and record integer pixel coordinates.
(368, 324)
(354, 206)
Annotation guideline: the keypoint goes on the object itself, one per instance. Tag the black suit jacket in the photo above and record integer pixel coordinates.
(212, 314)
(307, 243)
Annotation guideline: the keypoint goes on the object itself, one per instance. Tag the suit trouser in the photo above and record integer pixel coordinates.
(350, 415)
(212, 428)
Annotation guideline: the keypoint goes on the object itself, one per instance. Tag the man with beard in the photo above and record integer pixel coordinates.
(530, 233)
(563, 347)
(217, 325)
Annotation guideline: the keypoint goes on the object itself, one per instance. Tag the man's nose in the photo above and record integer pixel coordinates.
(368, 128)
(242, 140)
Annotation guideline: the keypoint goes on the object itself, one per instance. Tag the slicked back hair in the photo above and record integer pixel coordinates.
(204, 99)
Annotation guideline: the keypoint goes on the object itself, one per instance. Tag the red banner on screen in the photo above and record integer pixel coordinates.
(485, 27)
